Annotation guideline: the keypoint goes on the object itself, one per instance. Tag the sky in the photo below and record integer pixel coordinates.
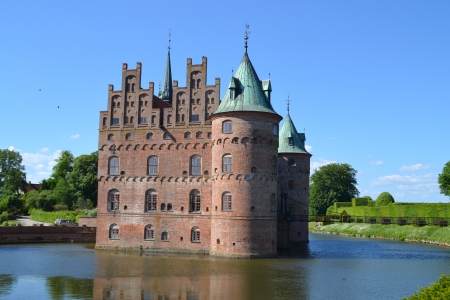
(369, 81)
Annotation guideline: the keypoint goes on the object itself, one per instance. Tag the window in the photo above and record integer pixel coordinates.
(166, 136)
(163, 206)
(169, 119)
(195, 234)
(275, 129)
(142, 120)
(104, 121)
(274, 166)
(209, 135)
(291, 161)
(149, 136)
(226, 202)
(132, 118)
(151, 199)
(212, 100)
(153, 119)
(291, 141)
(227, 163)
(115, 121)
(110, 137)
(149, 232)
(128, 136)
(165, 236)
(153, 165)
(187, 135)
(198, 100)
(196, 165)
(194, 118)
(169, 207)
(113, 166)
(199, 135)
(227, 127)
(232, 94)
(198, 83)
(114, 231)
(113, 200)
(194, 205)
(290, 184)
(272, 203)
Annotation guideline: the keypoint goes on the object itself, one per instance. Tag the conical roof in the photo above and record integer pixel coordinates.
(290, 141)
(245, 92)
(166, 92)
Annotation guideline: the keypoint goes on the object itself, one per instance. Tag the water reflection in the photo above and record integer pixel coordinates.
(6, 282)
(60, 287)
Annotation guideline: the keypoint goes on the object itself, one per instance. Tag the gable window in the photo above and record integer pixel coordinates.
(196, 165)
(194, 202)
(114, 231)
(128, 136)
(227, 163)
(232, 94)
(113, 200)
(199, 135)
(227, 127)
(187, 135)
(226, 202)
(113, 166)
(110, 137)
(153, 165)
(149, 232)
(149, 136)
(142, 120)
(166, 136)
(291, 141)
(272, 203)
(151, 199)
(209, 135)
(195, 118)
(165, 236)
(115, 121)
(195, 234)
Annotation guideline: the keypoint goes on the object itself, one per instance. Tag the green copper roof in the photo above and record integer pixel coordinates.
(290, 140)
(166, 92)
(245, 92)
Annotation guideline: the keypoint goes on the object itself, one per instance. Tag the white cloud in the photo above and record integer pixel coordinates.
(309, 148)
(44, 150)
(11, 148)
(39, 162)
(321, 162)
(75, 136)
(379, 162)
(404, 179)
(415, 167)
(423, 185)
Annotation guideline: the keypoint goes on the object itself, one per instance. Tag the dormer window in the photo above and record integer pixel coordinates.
(232, 94)
(291, 141)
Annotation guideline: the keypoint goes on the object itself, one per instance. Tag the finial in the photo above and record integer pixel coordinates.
(269, 74)
(169, 38)
(160, 85)
(232, 72)
(288, 103)
(246, 36)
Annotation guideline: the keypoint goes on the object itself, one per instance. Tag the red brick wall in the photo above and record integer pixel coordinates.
(46, 234)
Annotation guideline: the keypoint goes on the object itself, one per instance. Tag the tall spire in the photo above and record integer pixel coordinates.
(166, 92)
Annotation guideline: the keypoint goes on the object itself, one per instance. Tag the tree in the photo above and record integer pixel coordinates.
(12, 175)
(444, 180)
(329, 184)
(64, 193)
(64, 165)
(83, 177)
(384, 199)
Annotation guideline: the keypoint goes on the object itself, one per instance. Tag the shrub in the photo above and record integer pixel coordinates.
(438, 290)
(384, 199)
(93, 213)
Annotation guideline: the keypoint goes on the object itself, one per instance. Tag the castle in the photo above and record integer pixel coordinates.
(186, 172)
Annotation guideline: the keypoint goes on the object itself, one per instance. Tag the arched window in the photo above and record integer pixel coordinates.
(104, 121)
(198, 83)
(226, 202)
(153, 119)
(169, 207)
(227, 163)
(195, 234)
(194, 203)
(274, 165)
(182, 117)
(151, 199)
(209, 135)
(166, 135)
(165, 236)
(149, 232)
(187, 135)
(113, 200)
(163, 206)
(227, 127)
(110, 137)
(113, 166)
(153, 165)
(114, 231)
(275, 129)
(196, 165)
(149, 136)
(169, 118)
(128, 136)
(272, 203)
(199, 135)
(132, 118)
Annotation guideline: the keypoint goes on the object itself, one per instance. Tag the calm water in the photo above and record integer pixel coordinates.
(329, 267)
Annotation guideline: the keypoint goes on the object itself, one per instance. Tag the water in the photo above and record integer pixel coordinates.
(329, 267)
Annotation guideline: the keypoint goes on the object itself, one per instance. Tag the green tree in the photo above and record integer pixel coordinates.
(83, 177)
(64, 165)
(329, 184)
(444, 180)
(40, 200)
(64, 193)
(12, 175)
(384, 199)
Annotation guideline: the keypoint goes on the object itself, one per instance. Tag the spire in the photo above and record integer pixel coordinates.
(166, 92)
(290, 141)
(246, 33)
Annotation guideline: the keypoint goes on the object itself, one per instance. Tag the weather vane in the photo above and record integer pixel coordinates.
(288, 103)
(246, 35)
(169, 38)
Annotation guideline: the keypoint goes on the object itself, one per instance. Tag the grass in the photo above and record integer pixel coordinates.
(407, 232)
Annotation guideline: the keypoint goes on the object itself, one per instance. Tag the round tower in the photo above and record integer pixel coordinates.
(244, 164)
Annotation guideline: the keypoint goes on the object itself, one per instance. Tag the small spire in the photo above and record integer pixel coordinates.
(288, 103)
(246, 36)
(169, 39)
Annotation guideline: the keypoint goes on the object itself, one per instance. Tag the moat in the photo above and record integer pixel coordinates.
(329, 267)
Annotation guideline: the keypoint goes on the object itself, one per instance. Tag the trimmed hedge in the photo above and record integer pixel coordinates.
(438, 210)
(50, 217)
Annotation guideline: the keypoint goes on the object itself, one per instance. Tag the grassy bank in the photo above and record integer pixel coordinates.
(426, 234)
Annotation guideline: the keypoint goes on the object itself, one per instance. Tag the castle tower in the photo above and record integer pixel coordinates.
(244, 164)
(293, 184)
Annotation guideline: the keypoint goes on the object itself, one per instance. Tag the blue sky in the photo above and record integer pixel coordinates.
(368, 80)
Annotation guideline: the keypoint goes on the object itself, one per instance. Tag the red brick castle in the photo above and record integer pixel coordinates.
(186, 172)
